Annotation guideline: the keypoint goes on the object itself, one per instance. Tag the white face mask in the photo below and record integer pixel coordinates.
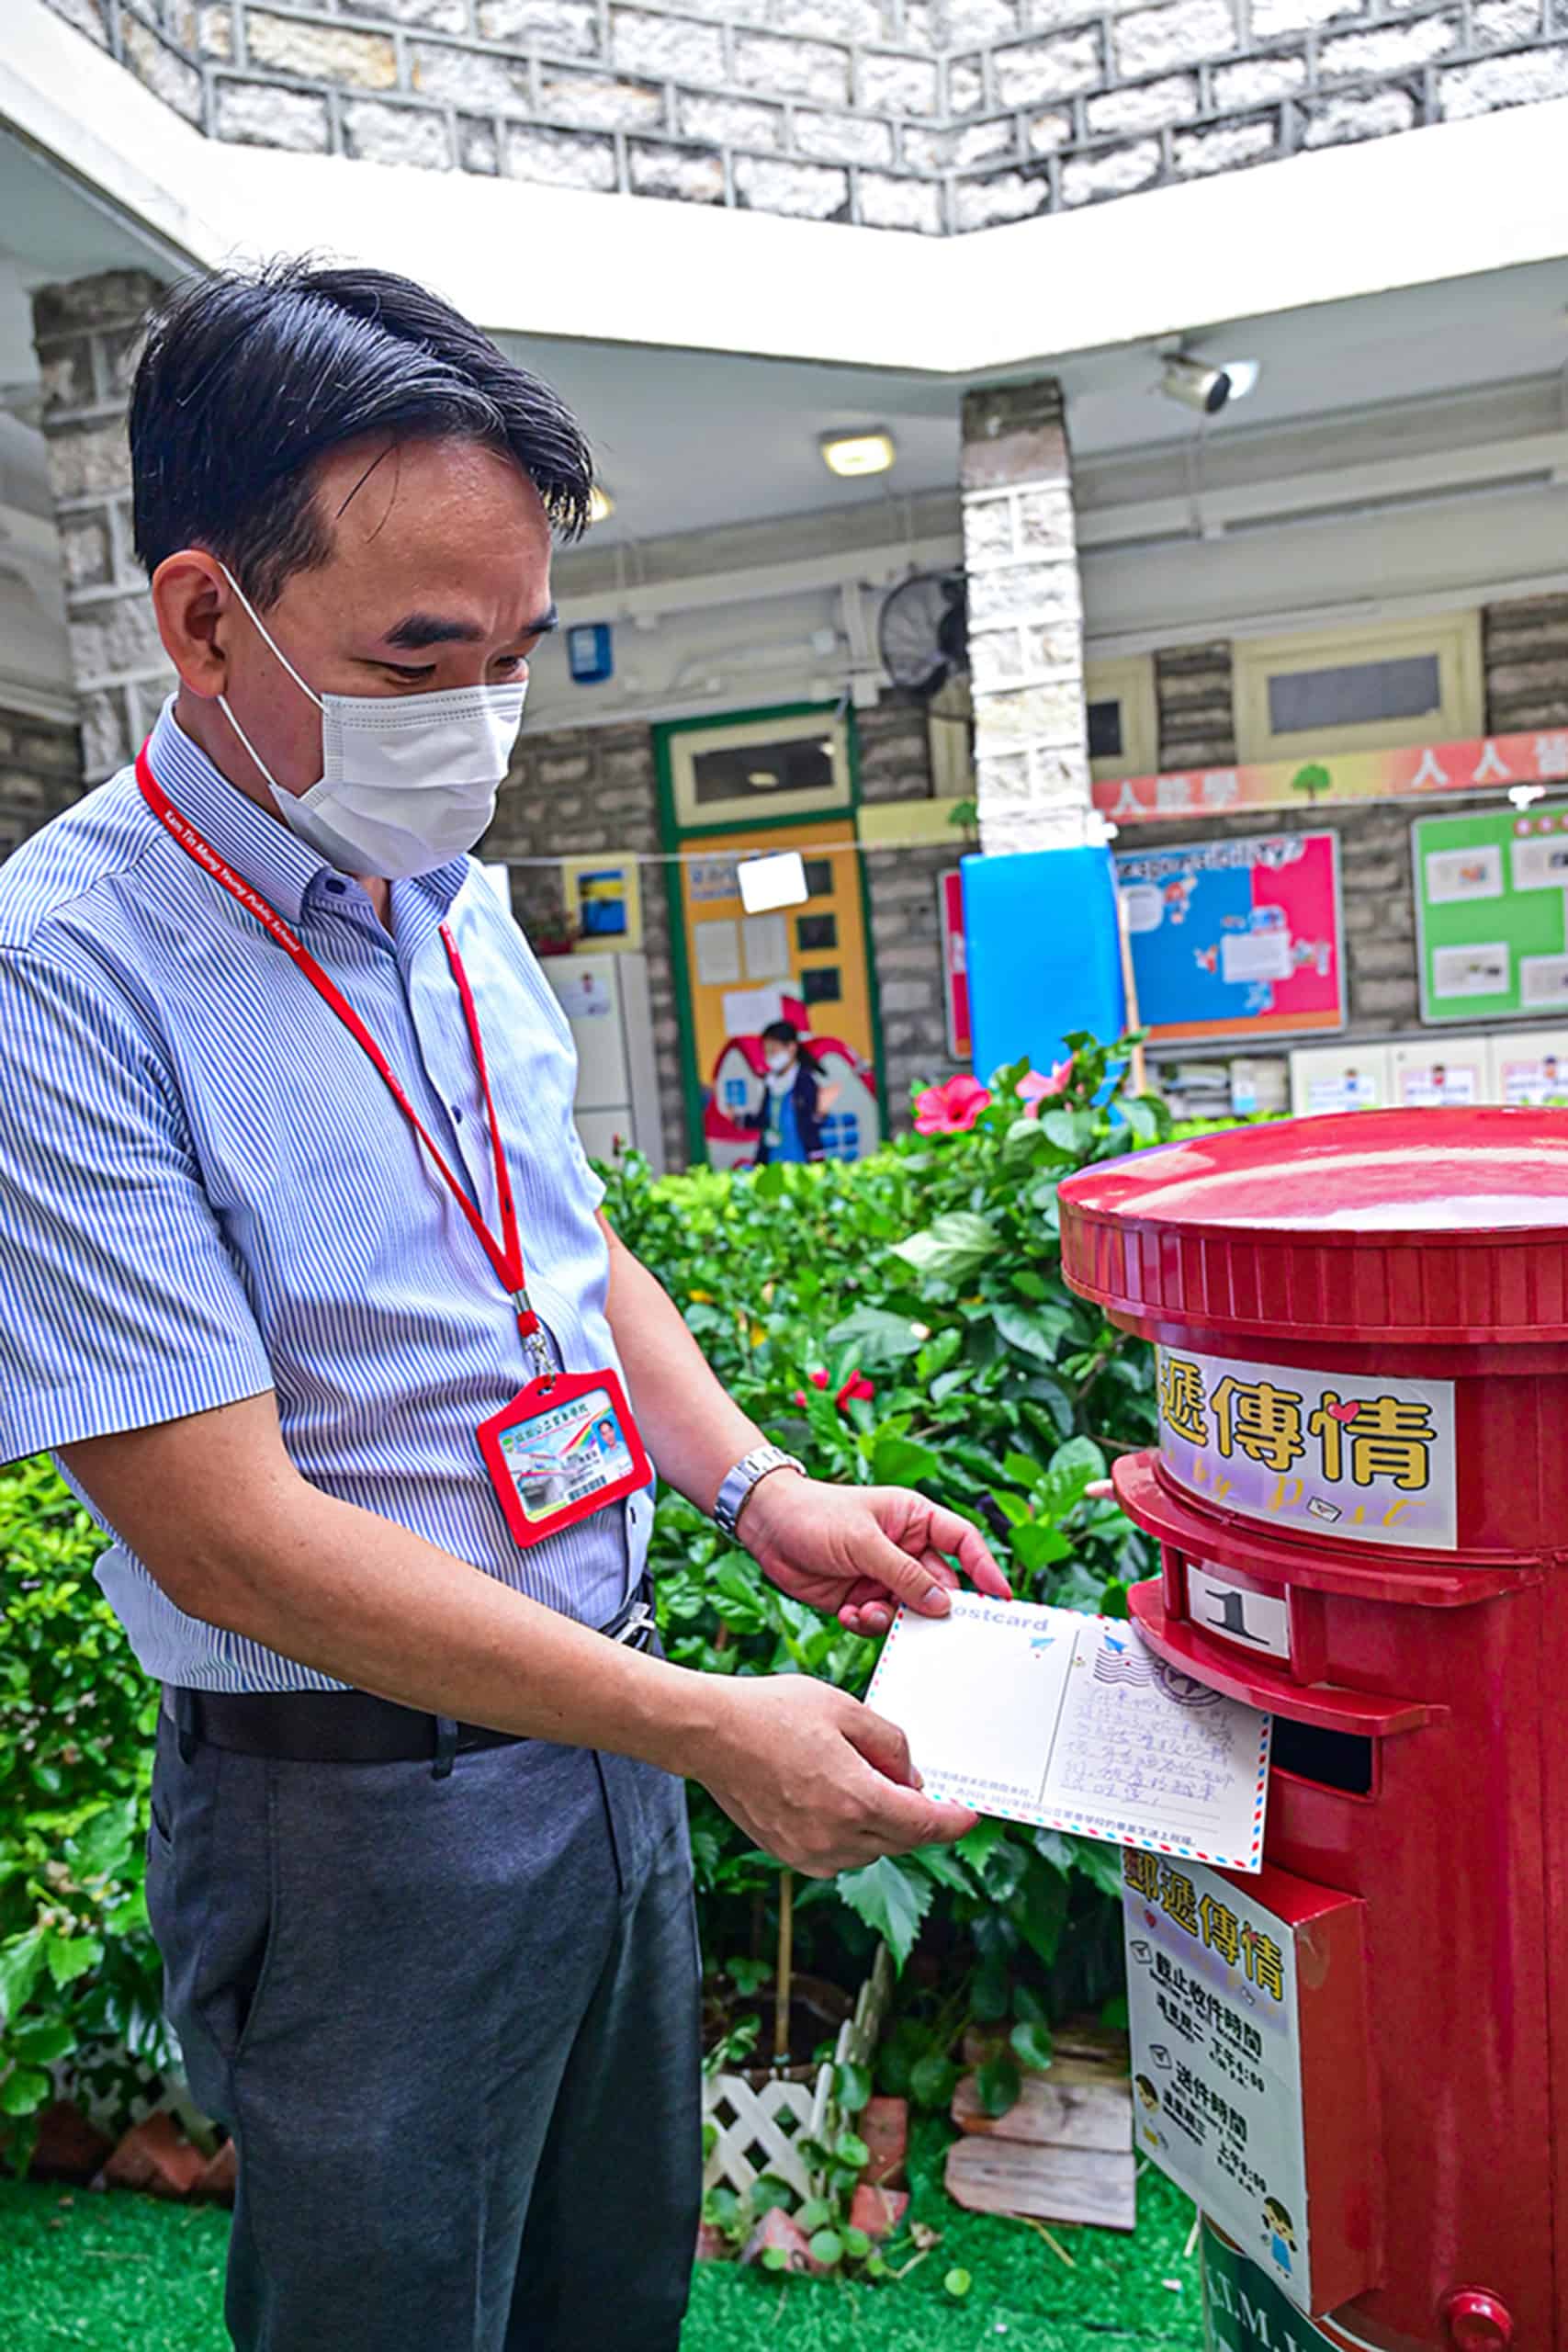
(780, 1061)
(408, 782)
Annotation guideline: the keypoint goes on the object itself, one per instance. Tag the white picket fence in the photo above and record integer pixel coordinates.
(757, 2130)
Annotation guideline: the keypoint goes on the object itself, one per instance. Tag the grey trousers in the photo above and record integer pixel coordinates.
(453, 2025)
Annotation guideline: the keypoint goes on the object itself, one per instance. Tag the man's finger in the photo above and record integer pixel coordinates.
(882, 1744)
(885, 1563)
(948, 1532)
(905, 1820)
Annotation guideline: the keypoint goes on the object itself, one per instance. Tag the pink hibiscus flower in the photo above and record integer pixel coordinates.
(950, 1110)
(1037, 1086)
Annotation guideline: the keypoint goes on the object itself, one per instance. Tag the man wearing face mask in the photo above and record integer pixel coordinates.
(305, 1281)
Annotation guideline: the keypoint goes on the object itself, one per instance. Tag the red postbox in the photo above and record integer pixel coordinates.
(1360, 1499)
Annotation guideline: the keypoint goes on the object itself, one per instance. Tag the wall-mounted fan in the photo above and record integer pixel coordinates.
(922, 631)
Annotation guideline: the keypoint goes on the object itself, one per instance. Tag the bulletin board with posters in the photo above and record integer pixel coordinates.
(1236, 938)
(1491, 913)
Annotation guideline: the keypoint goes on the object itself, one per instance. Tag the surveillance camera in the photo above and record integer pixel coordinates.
(1207, 385)
(1196, 385)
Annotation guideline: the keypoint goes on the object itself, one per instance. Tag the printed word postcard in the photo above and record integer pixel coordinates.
(1073, 1723)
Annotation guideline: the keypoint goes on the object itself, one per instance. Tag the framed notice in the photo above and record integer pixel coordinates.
(1236, 938)
(1492, 914)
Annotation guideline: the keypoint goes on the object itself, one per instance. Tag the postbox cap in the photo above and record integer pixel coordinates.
(1423, 1226)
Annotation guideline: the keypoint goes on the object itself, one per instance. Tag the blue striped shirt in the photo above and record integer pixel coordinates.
(206, 1190)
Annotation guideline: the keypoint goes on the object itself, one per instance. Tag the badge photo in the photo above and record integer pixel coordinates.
(565, 1447)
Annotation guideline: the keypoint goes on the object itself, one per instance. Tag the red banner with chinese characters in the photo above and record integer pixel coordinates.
(1416, 772)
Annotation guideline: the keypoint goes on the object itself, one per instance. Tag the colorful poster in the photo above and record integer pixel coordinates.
(1212, 2006)
(1416, 772)
(1233, 938)
(955, 969)
(1317, 1453)
(1491, 913)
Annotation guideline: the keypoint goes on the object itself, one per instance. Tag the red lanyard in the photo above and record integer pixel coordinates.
(505, 1256)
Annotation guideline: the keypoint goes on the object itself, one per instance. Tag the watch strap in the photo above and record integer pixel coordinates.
(738, 1484)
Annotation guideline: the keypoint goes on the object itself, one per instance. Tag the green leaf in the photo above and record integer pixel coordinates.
(952, 1248)
(24, 2091)
(1077, 1462)
(942, 1864)
(852, 2151)
(815, 2214)
(1013, 1508)
(39, 2042)
(857, 2243)
(891, 1899)
(1142, 1118)
(1023, 1469)
(1037, 1331)
(1041, 1913)
(1037, 1546)
(958, 2283)
(1114, 2013)
(852, 2086)
(990, 1996)
(827, 2248)
(879, 1340)
(903, 1461)
(21, 1963)
(933, 2080)
(71, 1956)
(1002, 1870)
(1031, 2045)
(998, 2084)
(1071, 1131)
(768, 2190)
(775, 2258)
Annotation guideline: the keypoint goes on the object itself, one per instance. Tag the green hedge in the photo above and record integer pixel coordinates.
(902, 1320)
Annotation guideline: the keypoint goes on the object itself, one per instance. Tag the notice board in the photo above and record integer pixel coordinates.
(1491, 913)
(1236, 938)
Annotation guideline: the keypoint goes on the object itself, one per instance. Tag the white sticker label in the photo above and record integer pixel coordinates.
(1363, 1459)
(1233, 1613)
(1212, 2004)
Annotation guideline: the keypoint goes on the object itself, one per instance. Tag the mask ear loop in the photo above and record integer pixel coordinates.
(268, 639)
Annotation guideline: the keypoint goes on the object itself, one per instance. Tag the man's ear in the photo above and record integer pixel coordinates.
(193, 603)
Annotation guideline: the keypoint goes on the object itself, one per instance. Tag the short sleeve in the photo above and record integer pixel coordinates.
(120, 1305)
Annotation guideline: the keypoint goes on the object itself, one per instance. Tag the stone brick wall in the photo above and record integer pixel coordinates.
(906, 944)
(933, 116)
(592, 788)
(1197, 716)
(1524, 651)
(40, 773)
(87, 335)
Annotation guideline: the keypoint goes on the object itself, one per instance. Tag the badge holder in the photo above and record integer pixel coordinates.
(565, 1447)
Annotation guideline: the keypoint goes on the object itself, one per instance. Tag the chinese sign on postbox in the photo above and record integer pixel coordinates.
(1317, 1453)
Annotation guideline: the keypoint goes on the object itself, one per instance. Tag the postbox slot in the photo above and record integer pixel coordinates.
(1330, 1759)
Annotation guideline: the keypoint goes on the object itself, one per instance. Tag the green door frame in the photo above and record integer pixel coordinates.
(674, 840)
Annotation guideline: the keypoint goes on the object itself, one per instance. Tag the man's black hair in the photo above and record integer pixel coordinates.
(248, 377)
(781, 1032)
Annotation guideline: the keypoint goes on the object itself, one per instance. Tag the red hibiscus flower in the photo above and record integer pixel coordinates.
(1037, 1086)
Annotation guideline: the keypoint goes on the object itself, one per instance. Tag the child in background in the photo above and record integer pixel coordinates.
(794, 1101)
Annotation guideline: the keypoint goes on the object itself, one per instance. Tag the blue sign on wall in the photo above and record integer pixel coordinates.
(588, 652)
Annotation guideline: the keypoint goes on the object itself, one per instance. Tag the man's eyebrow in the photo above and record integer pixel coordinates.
(417, 630)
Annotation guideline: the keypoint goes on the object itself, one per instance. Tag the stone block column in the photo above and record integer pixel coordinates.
(87, 335)
(1025, 620)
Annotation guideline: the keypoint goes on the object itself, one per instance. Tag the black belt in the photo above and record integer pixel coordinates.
(353, 1727)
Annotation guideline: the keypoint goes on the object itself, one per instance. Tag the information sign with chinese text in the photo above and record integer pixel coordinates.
(1362, 1458)
(1232, 938)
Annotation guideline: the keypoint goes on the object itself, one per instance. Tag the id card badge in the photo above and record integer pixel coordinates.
(565, 1447)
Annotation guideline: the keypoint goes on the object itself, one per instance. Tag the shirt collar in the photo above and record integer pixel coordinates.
(288, 873)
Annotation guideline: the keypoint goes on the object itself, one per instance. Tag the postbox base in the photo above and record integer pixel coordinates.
(1244, 2310)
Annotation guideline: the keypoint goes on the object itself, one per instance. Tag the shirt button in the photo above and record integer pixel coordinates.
(457, 1114)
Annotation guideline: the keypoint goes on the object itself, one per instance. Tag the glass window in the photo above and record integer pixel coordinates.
(1355, 694)
(1105, 730)
(813, 932)
(818, 877)
(734, 772)
(824, 986)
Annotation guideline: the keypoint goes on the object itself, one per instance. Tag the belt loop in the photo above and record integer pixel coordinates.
(446, 1748)
(186, 1734)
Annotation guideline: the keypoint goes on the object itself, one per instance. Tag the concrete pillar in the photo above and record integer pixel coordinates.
(87, 335)
(1025, 619)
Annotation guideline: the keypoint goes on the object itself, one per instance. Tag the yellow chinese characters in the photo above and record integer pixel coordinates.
(1181, 1400)
(1385, 1437)
(1263, 1422)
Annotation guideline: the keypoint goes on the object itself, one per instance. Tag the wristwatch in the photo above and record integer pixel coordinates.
(732, 1495)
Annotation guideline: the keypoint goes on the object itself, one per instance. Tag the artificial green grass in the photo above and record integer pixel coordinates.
(122, 2273)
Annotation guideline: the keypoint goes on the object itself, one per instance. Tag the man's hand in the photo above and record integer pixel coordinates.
(857, 1552)
(817, 1780)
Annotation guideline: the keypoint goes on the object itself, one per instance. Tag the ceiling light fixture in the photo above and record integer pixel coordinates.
(858, 453)
(1208, 385)
(601, 505)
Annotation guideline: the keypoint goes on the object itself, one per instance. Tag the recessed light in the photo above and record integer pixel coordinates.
(599, 504)
(858, 453)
